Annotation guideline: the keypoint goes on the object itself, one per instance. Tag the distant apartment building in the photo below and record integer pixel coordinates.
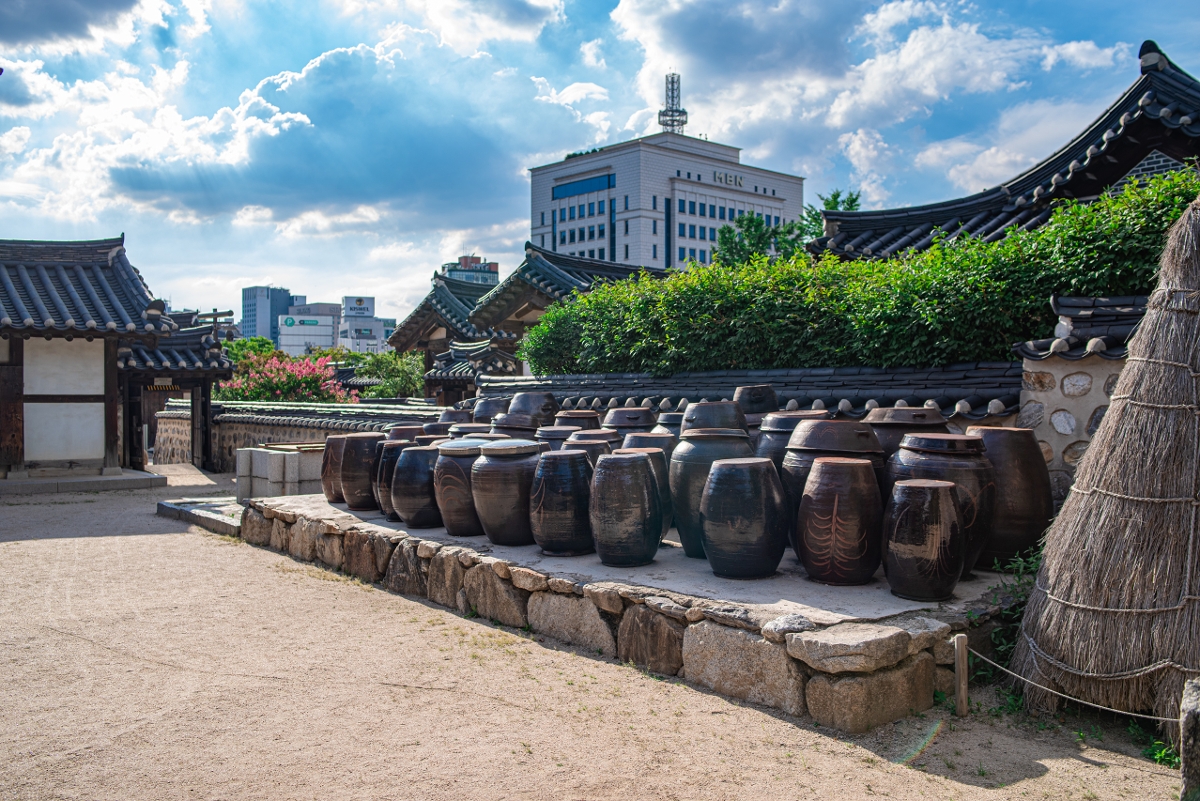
(262, 307)
(473, 269)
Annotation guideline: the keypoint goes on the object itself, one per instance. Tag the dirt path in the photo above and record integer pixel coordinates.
(141, 659)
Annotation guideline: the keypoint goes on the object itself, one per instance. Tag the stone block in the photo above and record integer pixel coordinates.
(565, 586)
(651, 640)
(244, 462)
(1063, 422)
(850, 647)
(290, 488)
(264, 488)
(329, 550)
(1076, 385)
(280, 533)
(291, 467)
(310, 487)
(605, 597)
(1032, 414)
(529, 580)
(777, 630)
(1037, 381)
(925, 633)
(943, 680)
(498, 566)
(256, 529)
(1074, 452)
(943, 652)
(494, 598)
(857, 703)
(572, 619)
(303, 542)
(445, 579)
(665, 606)
(736, 616)
(359, 555)
(468, 558)
(404, 573)
(310, 466)
(739, 664)
(1189, 741)
(260, 465)
(427, 548)
(383, 545)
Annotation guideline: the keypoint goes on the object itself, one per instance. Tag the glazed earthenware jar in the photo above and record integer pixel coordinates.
(594, 448)
(613, 438)
(358, 470)
(663, 440)
(713, 414)
(487, 408)
(440, 429)
(539, 405)
(388, 455)
(555, 436)
(837, 530)
(428, 440)
(452, 487)
(559, 503)
(413, 494)
(584, 419)
(624, 511)
(756, 399)
(629, 419)
(404, 433)
(455, 416)
(890, 425)
(962, 460)
(690, 462)
(517, 426)
(461, 430)
(331, 468)
(661, 467)
(812, 439)
(1024, 503)
(670, 423)
(744, 518)
(923, 540)
(501, 484)
(776, 430)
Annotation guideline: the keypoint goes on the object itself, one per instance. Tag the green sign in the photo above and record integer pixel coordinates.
(289, 322)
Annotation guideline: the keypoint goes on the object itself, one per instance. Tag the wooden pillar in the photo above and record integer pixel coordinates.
(12, 407)
(206, 427)
(112, 400)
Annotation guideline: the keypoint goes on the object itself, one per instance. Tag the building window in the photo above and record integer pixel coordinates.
(692, 253)
(772, 191)
(721, 212)
(683, 254)
(689, 176)
(732, 213)
(582, 206)
(712, 211)
(562, 215)
(581, 233)
(677, 173)
(691, 207)
(627, 253)
(591, 254)
(627, 228)
(591, 209)
(542, 240)
(591, 232)
(600, 207)
(682, 206)
(703, 232)
(627, 203)
(562, 237)
(543, 218)
(777, 221)
(572, 236)
(703, 209)
(654, 227)
(601, 254)
(682, 230)
(703, 256)
(741, 212)
(691, 232)
(600, 233)
(654, 202)
(572, 212)
(756, 190)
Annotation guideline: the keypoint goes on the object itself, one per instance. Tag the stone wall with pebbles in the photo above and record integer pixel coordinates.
(173, 444)
(1063, 401)
(848, 675)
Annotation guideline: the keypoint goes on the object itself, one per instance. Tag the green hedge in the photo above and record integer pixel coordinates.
(955, 302)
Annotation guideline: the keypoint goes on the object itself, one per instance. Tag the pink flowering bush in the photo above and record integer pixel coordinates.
(279, 377)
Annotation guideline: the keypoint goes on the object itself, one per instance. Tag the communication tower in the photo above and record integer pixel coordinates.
(673, 117)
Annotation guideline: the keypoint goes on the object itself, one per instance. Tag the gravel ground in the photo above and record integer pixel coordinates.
(140, 658)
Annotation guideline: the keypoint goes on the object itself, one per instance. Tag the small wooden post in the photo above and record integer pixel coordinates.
(960, 675)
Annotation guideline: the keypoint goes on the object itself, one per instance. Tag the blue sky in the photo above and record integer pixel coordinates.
(342, 147)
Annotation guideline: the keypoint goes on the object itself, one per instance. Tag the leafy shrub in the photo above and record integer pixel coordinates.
(278, 377)
(403, 374)
(958, 301)
(249, 346)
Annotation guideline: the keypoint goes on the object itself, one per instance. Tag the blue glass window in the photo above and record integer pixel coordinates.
(712, 211)
(600, 207)
(591, 232)
(682, 230)
(597, 184)
(654, 251)
(703, 232)
(691, 253)
(732, 214)
(627, 203)
(703, 256)
(543, 218)
(591, 254)
(654, 202)
(691, 232)
(777, 221)
(627, 228)
(591, 209)
(627, 252)
(691, 207)
(712, 234)
(572, 236)
(562, 237)
(542, 240)
(703, 209)
(582, 207)
(682, 205)
(581, 233)
(654, 227)
(572, 212)
(721, 212)
(600, 233)
(682, 254)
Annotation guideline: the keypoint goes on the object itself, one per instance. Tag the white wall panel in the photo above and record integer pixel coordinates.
(60, 431)
(59, 367)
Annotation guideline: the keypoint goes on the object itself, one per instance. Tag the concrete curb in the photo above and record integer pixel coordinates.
(192, 511)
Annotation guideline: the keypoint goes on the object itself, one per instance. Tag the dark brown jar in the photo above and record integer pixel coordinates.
(890, 425)
(375, 475)
(690, 462)
(713, 414)
(584, 419)
(428, 440)
(455, 416)
(630, 419)
(625, 513)
(559, 503)
(413, 494)
(358, 470)
(663, 440)
(404, 433)
(555, 436)
(383, 475)
(594, 448)
(837, 530)
(744, 518)
(1024, 503)
(757, 400)
(922, 540)
(613, 438)
(962, 460)
(662, 479)
(776, 430)
(461, 430)
(452, 487)
(331, 468)
(539, 405)
(670, 423)
(501, 484)
(487, 408)
(813, 439)
(440, 429)
(517, 426)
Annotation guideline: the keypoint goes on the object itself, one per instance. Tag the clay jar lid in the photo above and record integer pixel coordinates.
(602, 434)
(392, 444)
(943, 443)
(464, 429)
(627, 417)
(787, 421)
(510, 447)
(924, 483)
(905, 416)
(712, 433)
(489, 435)
(756, 399)
(842, 461)
(670, 418)
(461, 447)
(404, 432)
(848, 436)
(979, 431)
(455, 416)
(508, 420)
(557, 432)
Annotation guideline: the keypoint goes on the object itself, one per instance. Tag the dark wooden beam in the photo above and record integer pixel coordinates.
(112, 403)
(66, 398)
(12, 406)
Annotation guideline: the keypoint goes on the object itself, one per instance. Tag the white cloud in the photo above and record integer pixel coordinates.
(870, 158)
(591, 54)
(570, 95)
(879, 25)
(466, 25)
(1084, 55)
(13, 140)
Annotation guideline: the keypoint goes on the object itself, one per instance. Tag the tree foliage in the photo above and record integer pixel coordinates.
(279, 377)
(750, 235)
(403, 374)
(239, 349)
(958, 301)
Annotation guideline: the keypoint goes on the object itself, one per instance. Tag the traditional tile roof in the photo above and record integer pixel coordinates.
(84, 286)
(545, 276)
(1156, 120)
(448, 305)
(365, 416)
(465, 360)
(188, 349)
(1087, 326)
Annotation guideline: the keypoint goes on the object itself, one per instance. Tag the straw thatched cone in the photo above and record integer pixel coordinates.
(1114, 616)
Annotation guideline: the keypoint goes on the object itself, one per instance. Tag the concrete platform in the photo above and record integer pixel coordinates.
(221, 515)
(128, 480)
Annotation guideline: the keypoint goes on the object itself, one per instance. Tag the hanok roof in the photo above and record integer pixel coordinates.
(1087, 326)
(188, 349)
(85, 286)
(544, 277)
(448, 305)
(1156, 120)
(465, 360)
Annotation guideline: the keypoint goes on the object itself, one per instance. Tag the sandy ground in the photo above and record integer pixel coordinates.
(143, 659)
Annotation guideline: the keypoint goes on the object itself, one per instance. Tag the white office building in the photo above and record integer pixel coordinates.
(303, 333)
(360, 330)
(657, 201)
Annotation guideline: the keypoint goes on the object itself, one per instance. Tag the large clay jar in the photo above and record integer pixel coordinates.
(582, 418)
(613, 438)
(812, 439)
(404, 433)
(555, 436)
(662, 479)
(776, 430)
(461, 430)
(629, 419)
(713, 414)
(559, 503)
(922, 540)
(663, 440)
(744, 518)
(455, 416)
(593, 448)
(670, 423)
(517, 426)
(890, 425)
(440, 429)
(487, 408)
(452, 487)
(501, 484)
(539, 405)
(957, 458)
(331, 468)
(388, 455)
(625, 512)
(756, 399)
(694, 455)
(358, 470)
(427, 440)
(837, 529)
(1024, 504)
(413, 494)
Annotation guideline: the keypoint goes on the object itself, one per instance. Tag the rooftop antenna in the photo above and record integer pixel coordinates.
(674, 117)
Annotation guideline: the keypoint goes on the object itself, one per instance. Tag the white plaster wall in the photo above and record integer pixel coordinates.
(61, 431)
(59, 367)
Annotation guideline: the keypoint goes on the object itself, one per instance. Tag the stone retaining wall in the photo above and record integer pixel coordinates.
(849, 675)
